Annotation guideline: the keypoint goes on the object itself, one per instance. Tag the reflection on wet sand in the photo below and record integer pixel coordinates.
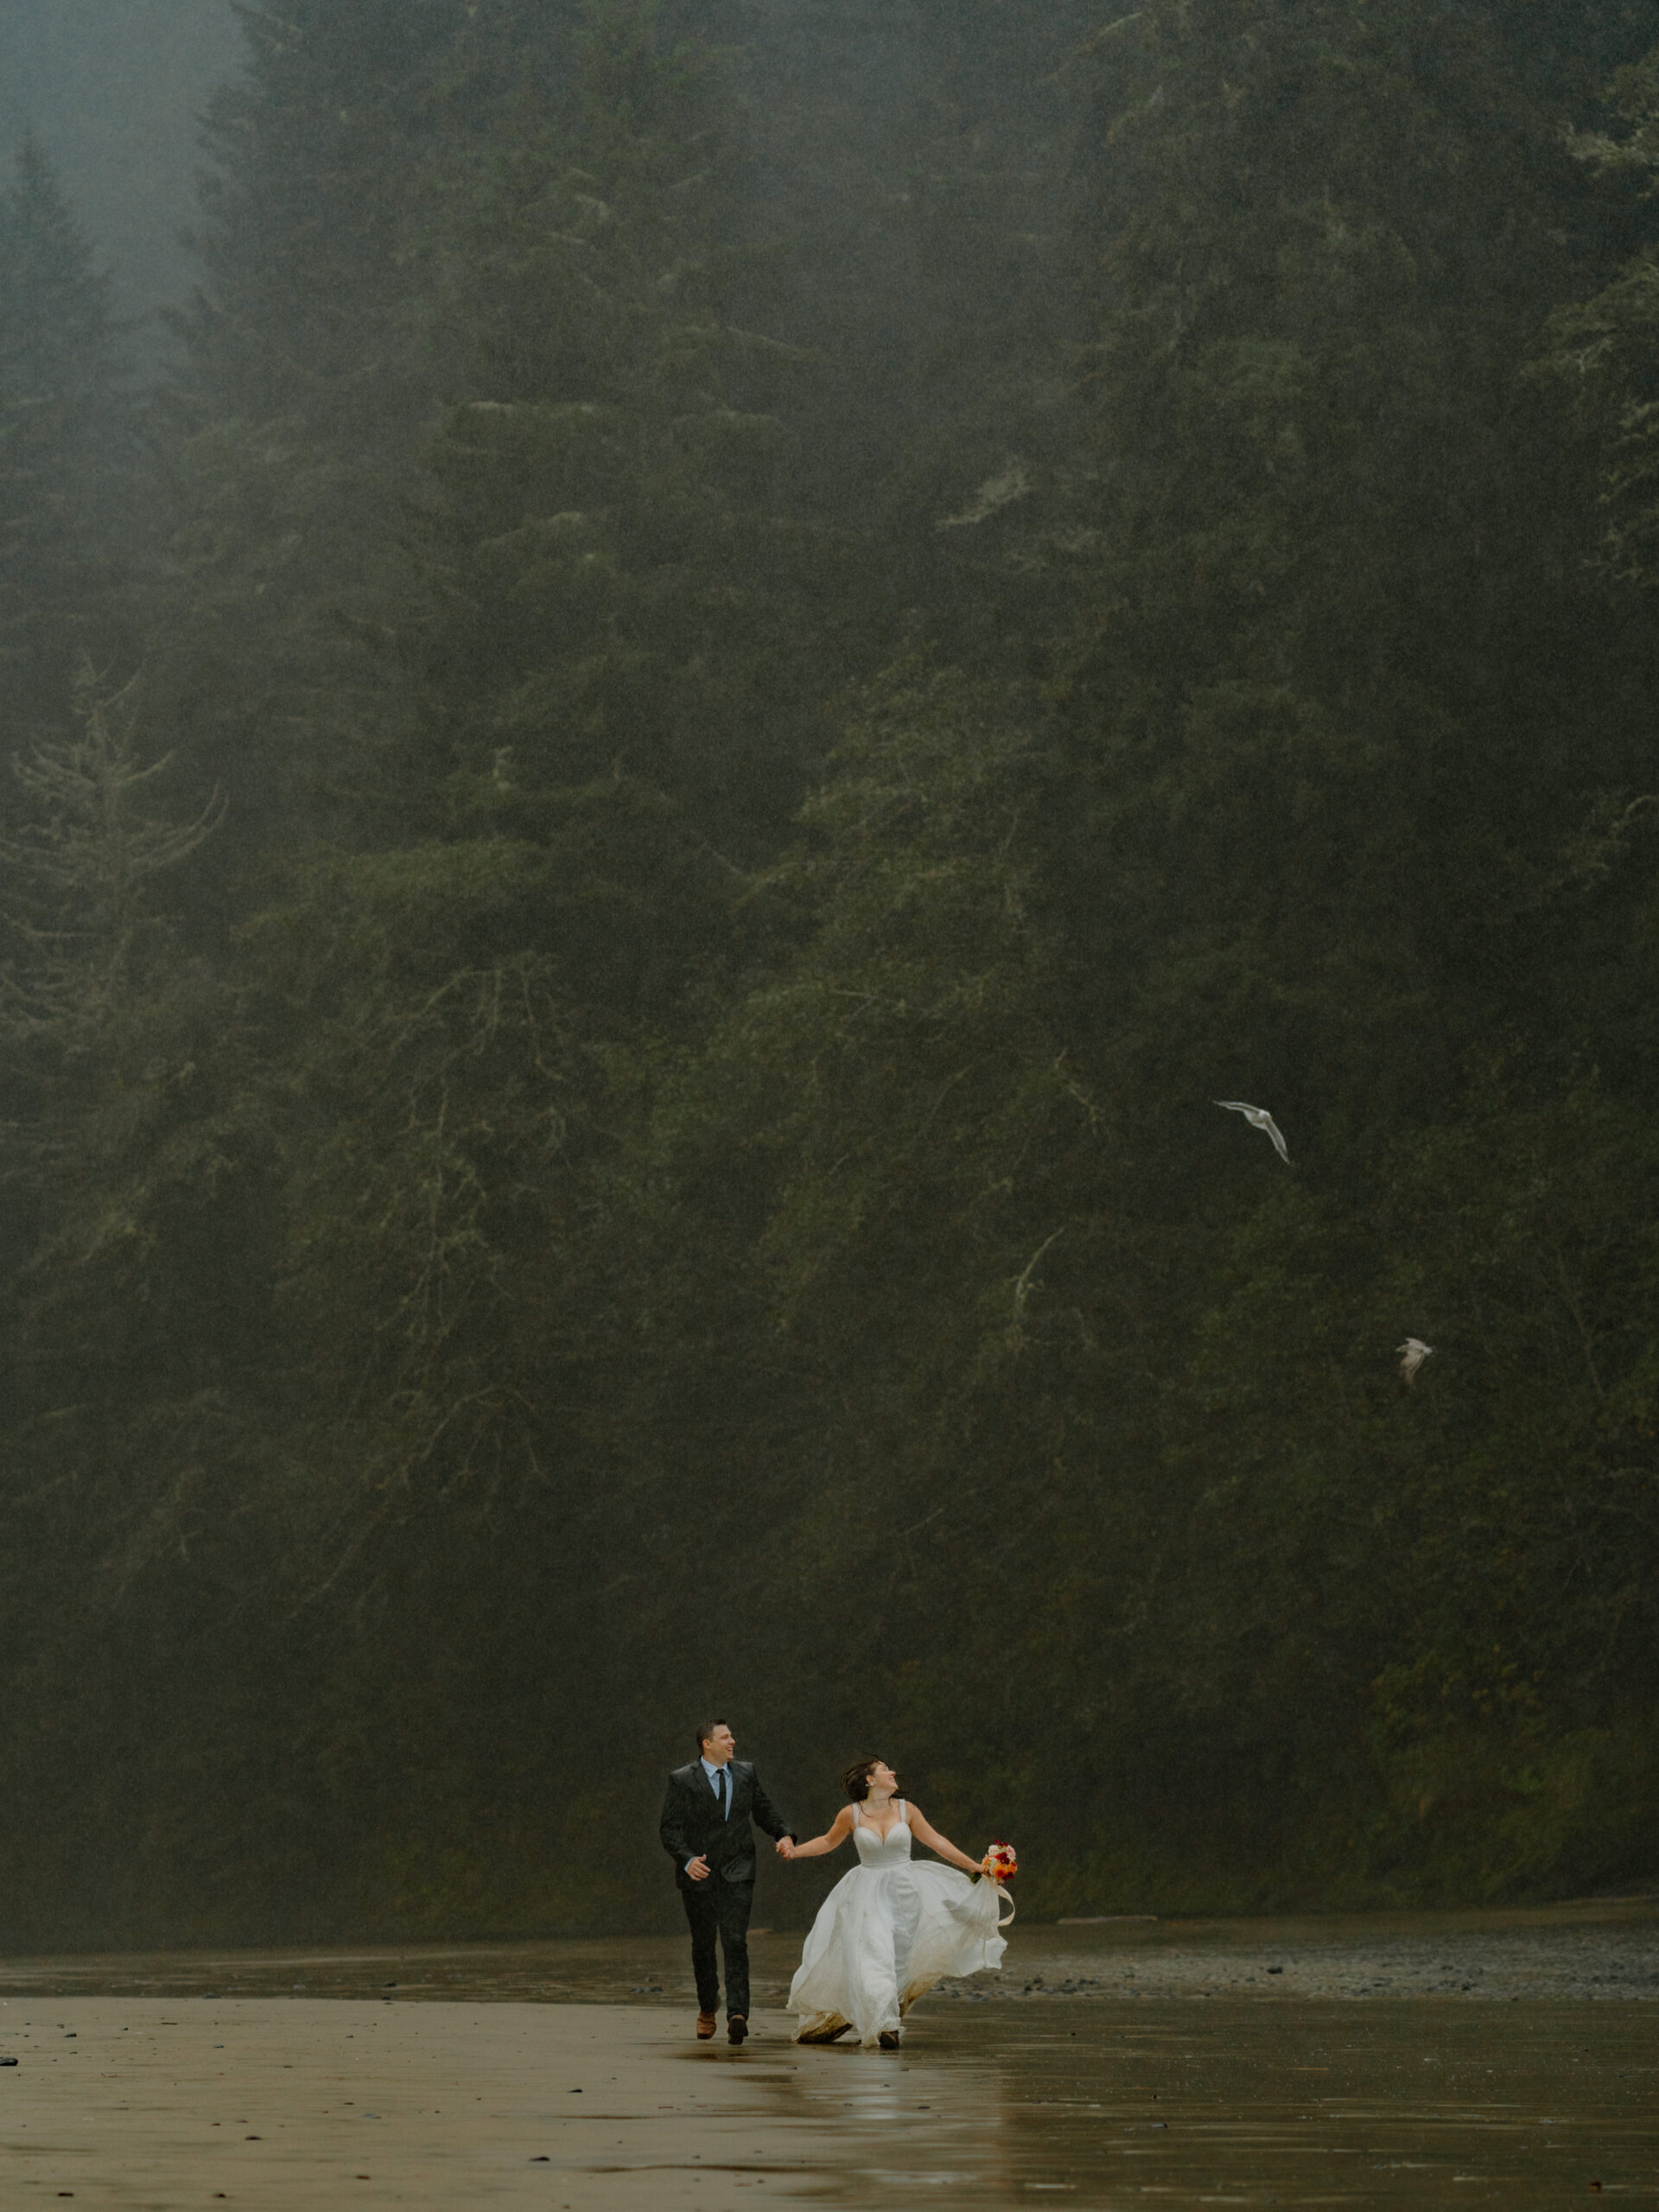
(1324, 2102)
(136, 2088)
(291, 2106)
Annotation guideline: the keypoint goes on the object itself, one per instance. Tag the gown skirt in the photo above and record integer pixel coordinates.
(886, 1933)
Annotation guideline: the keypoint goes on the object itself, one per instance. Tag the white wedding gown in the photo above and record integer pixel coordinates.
(888, 1931)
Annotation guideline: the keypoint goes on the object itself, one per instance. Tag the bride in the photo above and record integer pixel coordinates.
(894, 1926)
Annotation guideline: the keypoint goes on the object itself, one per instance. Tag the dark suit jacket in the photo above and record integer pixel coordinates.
(692, 1829)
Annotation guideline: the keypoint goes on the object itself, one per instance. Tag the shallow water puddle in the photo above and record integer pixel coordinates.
(1305, 2103)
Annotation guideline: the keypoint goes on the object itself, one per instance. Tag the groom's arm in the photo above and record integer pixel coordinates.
(671, 1827)
(765, 1819)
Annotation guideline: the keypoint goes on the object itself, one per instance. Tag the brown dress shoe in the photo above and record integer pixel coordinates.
(888, 2039)
(705, 2026)
(736, 2027)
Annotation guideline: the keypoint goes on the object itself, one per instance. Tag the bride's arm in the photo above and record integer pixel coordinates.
(925, 1833)
(840, 1830)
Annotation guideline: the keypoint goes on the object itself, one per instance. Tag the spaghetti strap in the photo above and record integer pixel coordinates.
(859, 1821)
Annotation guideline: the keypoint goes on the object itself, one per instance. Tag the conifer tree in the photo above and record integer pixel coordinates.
(309, 381)
(299, 397)
(95, 1003)
(1336, 531)
(1600, 352)
(602, 676)
(310, 199)
(68, 509)
(618, 585)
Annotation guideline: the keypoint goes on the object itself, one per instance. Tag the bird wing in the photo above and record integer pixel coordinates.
(1259, 1118)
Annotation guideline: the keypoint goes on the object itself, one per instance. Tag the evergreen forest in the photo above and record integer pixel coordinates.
(744, 653)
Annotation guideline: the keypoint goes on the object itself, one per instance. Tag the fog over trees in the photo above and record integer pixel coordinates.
(112, 88)
(739, 658)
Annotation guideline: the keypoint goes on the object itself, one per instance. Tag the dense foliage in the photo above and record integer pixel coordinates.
(758, 648)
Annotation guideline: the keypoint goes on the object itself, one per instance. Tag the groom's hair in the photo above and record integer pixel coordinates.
(706, 1729)
(856, 1780)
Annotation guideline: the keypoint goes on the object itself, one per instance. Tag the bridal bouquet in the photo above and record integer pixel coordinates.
(1001, 1862)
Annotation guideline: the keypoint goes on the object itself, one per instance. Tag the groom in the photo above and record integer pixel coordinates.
(705, 1829)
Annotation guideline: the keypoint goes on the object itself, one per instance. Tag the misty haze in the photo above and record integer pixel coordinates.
(829, 892)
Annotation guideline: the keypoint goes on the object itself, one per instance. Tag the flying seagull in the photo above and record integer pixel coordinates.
(1413, 1353)
(1259, 1118)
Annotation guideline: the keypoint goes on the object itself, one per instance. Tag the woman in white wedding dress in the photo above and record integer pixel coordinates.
(894, 1926)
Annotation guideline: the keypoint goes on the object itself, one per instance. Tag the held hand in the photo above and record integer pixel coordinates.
(697, 1869)
(785, 1846)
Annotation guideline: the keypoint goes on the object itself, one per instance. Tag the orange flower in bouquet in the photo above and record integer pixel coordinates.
(1001, 1862)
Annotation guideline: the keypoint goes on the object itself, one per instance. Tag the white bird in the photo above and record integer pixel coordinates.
(1259, 1118)
(1413, 1353)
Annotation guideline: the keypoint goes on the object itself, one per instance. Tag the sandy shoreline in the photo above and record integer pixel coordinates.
(1564, 1953)
(1588, 1951)
(287, 2104)
(1246, 2062)
(300, 2105)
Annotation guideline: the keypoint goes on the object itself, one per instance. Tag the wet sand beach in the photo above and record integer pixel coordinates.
(537, 2075)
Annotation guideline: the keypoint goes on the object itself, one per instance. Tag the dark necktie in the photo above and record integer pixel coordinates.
(720, 1792)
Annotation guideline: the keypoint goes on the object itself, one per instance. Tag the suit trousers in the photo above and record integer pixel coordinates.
(717, 1907)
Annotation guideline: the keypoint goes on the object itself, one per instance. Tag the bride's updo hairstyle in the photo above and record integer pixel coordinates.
(856, 1780)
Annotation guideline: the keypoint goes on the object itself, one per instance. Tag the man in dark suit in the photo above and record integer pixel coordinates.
(705, 1829)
